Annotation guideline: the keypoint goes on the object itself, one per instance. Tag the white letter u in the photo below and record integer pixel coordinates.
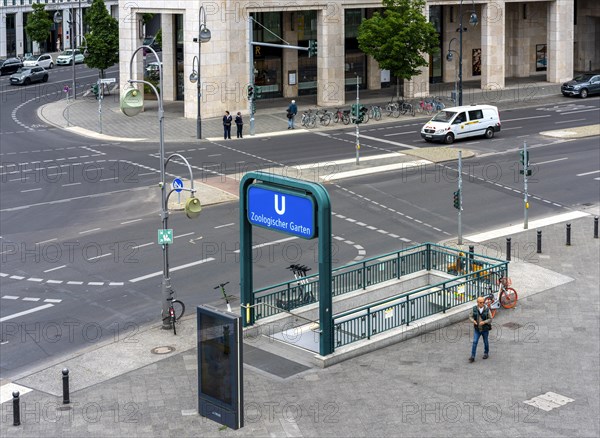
(277, 209)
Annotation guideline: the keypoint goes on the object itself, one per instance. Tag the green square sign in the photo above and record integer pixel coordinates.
(165, 237)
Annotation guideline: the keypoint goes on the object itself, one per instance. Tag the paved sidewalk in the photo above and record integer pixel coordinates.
(421, 387)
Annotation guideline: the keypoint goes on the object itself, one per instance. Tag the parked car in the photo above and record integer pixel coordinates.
(152, 70)
(582, 85)
(9, 65)
(28, 75)
(45, 61)
(66, 57)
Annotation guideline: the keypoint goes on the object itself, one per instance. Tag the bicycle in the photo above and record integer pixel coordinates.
(392, 109)
(507, 296)
(405, 107)
(175, 312)
(225, 296)
(324, 117)
(309, 119)
(425, 106)
(340, 116)
(375, 112)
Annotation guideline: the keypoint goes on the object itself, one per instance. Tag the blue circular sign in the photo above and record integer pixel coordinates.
(177, 185)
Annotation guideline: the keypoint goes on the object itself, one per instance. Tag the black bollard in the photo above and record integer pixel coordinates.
(596, 227)
(539, 241)
(508, 249)
(16, 409)
(65, 373)
(471, 251)
(568, 234)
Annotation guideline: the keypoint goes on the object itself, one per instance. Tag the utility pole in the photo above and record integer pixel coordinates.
(356, 123)
(525, 195)
(460, 197)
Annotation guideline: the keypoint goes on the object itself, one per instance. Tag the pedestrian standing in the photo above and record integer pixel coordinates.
(227, 125)
(291, 114)
(239, 124)
(482, 324)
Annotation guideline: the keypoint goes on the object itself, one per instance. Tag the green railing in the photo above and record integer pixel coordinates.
(360, 275)
(390, 313)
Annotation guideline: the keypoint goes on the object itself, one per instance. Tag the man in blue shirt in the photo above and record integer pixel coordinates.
(291, 113)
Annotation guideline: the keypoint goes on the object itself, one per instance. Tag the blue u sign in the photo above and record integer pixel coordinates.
(281, 210)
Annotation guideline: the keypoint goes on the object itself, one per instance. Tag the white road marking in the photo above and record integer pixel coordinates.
(269, 243)
(7, 390)
(96, 283)
(588, 173)
(31, 299)
(35, 280)
(400, 133)
(54, 281)
(16, 277)
(54, 269)
(184, 235)
(226, 225)
(71, 184)
(570, 121)
(52, 300)
(377, 169)
(382, 140)
(482, 237)
(31, 190)
(141, 246)
(46, 241)
(551, 161)
(580, 111)
(26, 312)
(177, 268)
(10, 297)
(89, 231)
(75, 282)
(523, 118)
(99, 257)
(130, 222)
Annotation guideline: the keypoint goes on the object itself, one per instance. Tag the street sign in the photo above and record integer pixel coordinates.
(177, 184)
(66, 88)
(108, 80)
(165, 237)
(281, 210)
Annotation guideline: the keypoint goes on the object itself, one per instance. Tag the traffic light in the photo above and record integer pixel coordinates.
(250, 92)
(524, 162)
(95, 90)
(356, 114)
(457, 199)
(257, 93)
(312, 48)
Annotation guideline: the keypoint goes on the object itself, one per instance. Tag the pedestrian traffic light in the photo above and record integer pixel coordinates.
(257, 93)
(524, 162)
(312, 48)
(457, 199)
(95, 89)
(250, 91)
(356, 113)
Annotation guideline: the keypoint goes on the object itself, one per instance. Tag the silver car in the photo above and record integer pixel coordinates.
(28, 75)
(66, 57)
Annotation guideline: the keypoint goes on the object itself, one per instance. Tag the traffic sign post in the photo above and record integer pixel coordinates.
(291, 206)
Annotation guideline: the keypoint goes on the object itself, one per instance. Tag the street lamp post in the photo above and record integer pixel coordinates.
(203, 37)
(192, 207)
(449, 58)
(473, 22)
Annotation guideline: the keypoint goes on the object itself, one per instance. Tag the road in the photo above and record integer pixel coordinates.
(80, 263)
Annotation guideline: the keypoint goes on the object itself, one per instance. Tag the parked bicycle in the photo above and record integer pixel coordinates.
(341, 116)
(505, 296)
(175, 312)
(375, 112)
(425, 106)
(406, 107)
(324, 117)
(304, 295)
(309, 119)
(392, 109)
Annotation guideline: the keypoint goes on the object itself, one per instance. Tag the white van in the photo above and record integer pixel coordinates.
(461, 122)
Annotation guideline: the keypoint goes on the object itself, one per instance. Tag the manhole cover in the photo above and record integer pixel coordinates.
(162, 350)
(512, 325)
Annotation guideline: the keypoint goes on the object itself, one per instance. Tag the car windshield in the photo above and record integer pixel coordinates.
(582, 78)
(443, 116)
(23, 70)
(67, 53)
(31, 58)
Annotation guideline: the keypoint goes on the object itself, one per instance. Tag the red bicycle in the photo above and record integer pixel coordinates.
(507, 296)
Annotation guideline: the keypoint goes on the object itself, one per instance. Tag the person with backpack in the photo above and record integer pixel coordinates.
(482, 324)
(239, 124)
(291, 113)
(227, 125)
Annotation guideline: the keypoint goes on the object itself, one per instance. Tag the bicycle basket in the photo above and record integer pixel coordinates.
(505, 281)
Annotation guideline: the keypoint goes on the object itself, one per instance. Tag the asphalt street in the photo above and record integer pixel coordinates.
(79, 216)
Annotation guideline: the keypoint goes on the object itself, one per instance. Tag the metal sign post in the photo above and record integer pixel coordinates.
(525, 194)
(460, 198)
(356, 122)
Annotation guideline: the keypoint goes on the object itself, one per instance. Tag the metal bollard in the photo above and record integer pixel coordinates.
(508, 249)
(65, 373)
(16, 409)
(595, 227)
(539, 241)
(471, 251)
(568, 234)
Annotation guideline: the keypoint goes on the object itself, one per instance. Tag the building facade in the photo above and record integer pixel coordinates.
(14, 41)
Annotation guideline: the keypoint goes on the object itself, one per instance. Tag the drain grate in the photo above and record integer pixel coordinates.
(162, 350)
(512, 325)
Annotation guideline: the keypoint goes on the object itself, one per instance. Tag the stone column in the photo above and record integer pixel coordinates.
(373, 74)
(290, 57)
(492, 46)
(168, 57)
(129, 40)
(19, 33)
(418, 86)
(560, 41)
(330, 57)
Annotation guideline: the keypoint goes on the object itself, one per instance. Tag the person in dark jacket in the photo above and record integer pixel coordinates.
(291, 113)
(482, 324)
(239, 124)
(227, 125)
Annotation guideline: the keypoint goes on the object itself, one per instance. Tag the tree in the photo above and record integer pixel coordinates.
(398, 39)
(103, 39)
(38, 24)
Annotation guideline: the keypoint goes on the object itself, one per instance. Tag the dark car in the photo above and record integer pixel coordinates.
(582, 85)
(9, 65)
(27, 75)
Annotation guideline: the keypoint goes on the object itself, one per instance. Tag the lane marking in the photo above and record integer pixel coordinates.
(31, 190)
(378, 169)
(226, 225)
(71, 184)
(588, 173)
(46, 241)
(177, 268)
(141, 246)
(577, 112)
(551, 161)
(31, 299)
(99, 257)
(347, 161)
(10, 297)
(75, 282)
(493, 234)
(131, 221)
(89, 231)
(525, 118)
(383, 140)
(570, 121)
(52, 300)
(184, 235)
(26, 312)
(96, 283)
(54, 269)
(261, 245)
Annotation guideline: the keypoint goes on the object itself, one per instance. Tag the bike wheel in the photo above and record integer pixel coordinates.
(346, 119)
(336, 118)
(312, 122)
(508, 298)
(488, 302)
(395, 112)
(366, 117)
(179, 308)
(377, 115)
(174, 324)
(325, 120)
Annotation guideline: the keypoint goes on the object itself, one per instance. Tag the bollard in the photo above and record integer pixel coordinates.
(595, 227)
(16, 409)
(508, 249)
(539, 241)
(568, 234)
(65, 373)
(471, 251)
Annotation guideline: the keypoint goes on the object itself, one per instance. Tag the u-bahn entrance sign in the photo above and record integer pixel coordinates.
(291, 206)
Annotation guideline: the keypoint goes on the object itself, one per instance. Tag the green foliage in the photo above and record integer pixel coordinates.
(398, 39)
(147, 17)
(38, 24)
(158, 37)
(103, 39)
